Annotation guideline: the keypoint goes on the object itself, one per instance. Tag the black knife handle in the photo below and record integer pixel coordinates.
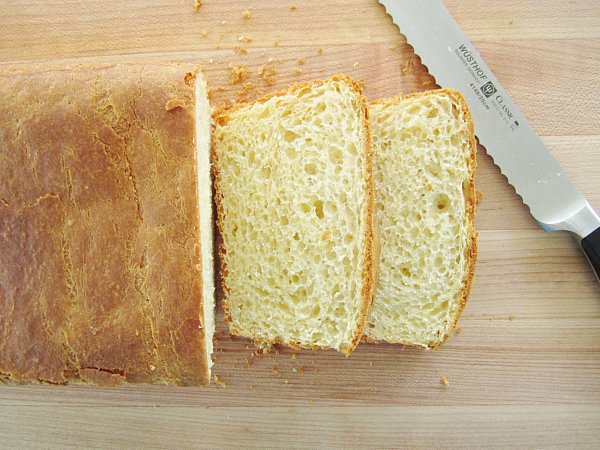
(591, 246)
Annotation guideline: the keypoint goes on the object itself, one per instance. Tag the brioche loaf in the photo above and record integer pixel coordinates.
(424, 178)
(295, 204)
(105, 257)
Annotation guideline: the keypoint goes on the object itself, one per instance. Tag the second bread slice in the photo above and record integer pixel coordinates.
(295, 202)
(424, 173)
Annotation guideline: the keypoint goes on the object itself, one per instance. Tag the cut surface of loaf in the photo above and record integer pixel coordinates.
(424, 178)
(101, 263)
(295, 203)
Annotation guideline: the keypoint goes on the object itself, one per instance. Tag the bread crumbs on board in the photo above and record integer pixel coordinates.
(511, 317)
(301, 61)
(293, 7)
(237, 74)
(243, 38)
(240, 49)
(204, 33)
(267, 73)
(478, 196)
(227, 104)
(197, 5)
(219, 382)
(247, 89)
(174, 103)
(246, 14)
(444, 380)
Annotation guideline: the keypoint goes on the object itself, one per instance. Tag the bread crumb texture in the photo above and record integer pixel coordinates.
(98, 246)
(292, 169)
(424, 165)
(237, 74)
(444, 380)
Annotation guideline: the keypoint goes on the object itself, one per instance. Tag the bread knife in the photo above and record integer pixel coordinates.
(553, 200)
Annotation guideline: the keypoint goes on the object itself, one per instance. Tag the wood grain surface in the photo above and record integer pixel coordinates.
(525, 370)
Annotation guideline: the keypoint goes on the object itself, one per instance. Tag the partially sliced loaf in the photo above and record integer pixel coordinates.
(424, 177)
(105, 251)
(295, 202)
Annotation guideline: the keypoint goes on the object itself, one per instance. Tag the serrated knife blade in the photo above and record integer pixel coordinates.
(554, 201)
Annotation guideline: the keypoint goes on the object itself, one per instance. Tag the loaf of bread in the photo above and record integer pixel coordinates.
(424, 178)
(105, 256)
(295, 204)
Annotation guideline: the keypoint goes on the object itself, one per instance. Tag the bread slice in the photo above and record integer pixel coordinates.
(295, 204)
(105, 250)
(424, 178)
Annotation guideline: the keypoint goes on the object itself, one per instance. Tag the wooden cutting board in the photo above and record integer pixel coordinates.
(524, 371)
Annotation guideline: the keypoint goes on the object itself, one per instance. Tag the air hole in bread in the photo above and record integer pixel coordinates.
(330, 207)
(319, 209)
(310, 168)
(352, 149)
(291, 153)
(442, 202)
(336, 156)
(289, 136)
(305, 208)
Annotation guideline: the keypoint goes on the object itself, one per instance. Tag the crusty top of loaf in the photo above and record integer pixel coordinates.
(99, 254)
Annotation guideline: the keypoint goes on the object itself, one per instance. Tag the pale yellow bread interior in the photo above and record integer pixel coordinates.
(424, 169)
(295, 209)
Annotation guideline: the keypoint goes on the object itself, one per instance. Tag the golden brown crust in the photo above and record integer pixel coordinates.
(99, 237)
(470, 203)
(221, 117)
